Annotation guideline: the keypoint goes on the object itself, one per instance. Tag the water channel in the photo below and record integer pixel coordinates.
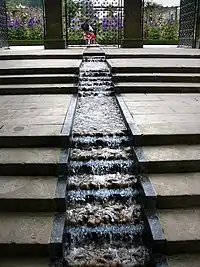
(104, 226)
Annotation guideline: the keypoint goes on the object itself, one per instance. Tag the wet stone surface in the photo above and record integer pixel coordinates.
(104, 224)
(98, 116)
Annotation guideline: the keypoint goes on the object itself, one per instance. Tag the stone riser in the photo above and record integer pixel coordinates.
(45, 70)
(32, 205)
(19, 250)
(155, 69)
(176, 202)
(38, 169)
(34, 141)
(42, 79)
(176, 139)
(146, 88)
(156, 78)
(24, 90)
(169, 166)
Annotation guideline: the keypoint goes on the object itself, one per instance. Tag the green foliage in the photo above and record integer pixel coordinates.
(154, 33)
(170, 32)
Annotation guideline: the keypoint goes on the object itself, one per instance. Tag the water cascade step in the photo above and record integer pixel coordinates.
(104, 225)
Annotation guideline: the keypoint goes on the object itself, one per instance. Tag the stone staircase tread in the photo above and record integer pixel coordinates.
(168, 153)
(25, 230)
(157, 84)
(180, 225)
(176, 184)
(169, 158)
(25, 262)
(30, 161)
(29, 155)
(155, 62)
(184, 260)
(27, 187)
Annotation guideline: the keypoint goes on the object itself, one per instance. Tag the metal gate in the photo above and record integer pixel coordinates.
(3, 25)
(105, 17)
(188, 23)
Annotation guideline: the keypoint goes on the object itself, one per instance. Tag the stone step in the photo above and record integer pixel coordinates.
(38, 79)
(181, 230)
(24, 262)
(157, 87)
(162, 159)
(31, 234)
(32, 193)
(157, 65)
(176, 190)
(184, 260)
(156, 77)
(30, 161)
(40, 66)
(26, 89)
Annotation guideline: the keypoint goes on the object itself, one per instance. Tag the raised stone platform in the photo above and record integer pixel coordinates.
(176, 190)
(30, 161)
(165, 118)
(29, 234)
(38, 66)
(181, 229)
(162, 159)
(155, 65)
(33, 119)
(32, 193)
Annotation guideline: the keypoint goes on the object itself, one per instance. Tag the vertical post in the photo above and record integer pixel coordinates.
(133, 24)
(197, 37)
(54, 25)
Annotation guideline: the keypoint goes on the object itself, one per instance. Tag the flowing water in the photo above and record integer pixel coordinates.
(104, 225)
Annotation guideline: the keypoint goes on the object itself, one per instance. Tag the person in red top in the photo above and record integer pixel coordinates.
(89, 34)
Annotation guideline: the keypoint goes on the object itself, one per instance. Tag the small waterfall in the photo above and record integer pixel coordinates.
(104, 224)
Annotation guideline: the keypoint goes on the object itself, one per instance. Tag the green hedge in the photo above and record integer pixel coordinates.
(79, 42)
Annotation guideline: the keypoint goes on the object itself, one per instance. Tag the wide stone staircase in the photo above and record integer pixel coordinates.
(160, 100)
(36, 112)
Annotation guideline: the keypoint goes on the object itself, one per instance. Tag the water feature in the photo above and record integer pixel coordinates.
(103, 219)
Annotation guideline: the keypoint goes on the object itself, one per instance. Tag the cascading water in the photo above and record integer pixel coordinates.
(104, 224)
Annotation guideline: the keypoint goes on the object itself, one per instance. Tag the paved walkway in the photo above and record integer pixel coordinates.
(39, 63)
(32, 115)
(155, 62)
(165, 113)
(109, 50)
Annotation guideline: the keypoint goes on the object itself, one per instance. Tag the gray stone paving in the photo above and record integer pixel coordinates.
(27, 187)
(165, 113)
(25, 228)
(155, 50)
(32, 115)
(154, 62)
(39, 63)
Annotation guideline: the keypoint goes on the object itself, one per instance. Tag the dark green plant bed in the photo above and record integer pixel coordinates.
(82, 42)
(25, 42)
(160, 42)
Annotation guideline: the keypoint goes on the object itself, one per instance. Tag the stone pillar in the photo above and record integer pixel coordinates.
(197, 45)
(133, 24)
(54, 25)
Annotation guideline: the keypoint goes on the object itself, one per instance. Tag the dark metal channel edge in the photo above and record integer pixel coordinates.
(57, 234)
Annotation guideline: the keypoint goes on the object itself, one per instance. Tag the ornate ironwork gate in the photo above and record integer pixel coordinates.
(3, 25)
(105, 17)
(188, 23)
